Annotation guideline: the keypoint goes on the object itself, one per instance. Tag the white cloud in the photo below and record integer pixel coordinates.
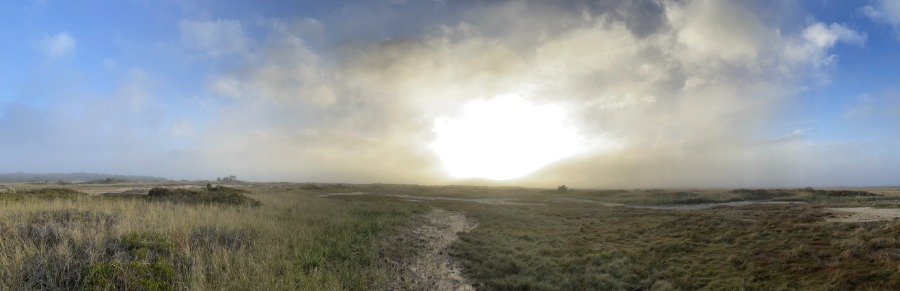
(827, 36)
(693, 92)
(58, 45)
(885, 11)
(816, 40)
(697, 90)
(718, 28)
(214, 38)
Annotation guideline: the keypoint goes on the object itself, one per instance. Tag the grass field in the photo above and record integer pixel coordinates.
(369, 237)
(292, 240)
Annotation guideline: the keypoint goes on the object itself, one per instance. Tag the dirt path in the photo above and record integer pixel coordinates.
(433, 269)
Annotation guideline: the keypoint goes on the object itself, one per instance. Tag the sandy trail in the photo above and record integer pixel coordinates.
(433, 269)
(863, 214)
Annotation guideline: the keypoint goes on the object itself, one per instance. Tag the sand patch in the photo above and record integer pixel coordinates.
(863, 214)
(434, 267)
(431, 267)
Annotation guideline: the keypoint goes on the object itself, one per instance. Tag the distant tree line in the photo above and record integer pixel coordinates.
(73, 178)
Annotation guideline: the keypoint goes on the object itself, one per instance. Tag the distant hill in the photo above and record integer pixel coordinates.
(73, 177)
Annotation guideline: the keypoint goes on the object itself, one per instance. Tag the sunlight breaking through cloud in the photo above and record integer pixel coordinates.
(503, 138)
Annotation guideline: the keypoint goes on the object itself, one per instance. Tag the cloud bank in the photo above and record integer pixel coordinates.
(688, 93)
(663, 94)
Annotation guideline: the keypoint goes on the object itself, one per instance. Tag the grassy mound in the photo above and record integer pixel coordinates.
(212, 195)
(804, 194)
(763, 247)
(139, 261)
(44, 194)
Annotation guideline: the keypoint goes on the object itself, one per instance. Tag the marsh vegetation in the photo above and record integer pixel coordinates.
(379, 236)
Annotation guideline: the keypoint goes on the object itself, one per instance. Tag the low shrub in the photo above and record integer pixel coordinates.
(43, 193)
(760, 194)
(131, 275)
(214, 195)
(138, 261)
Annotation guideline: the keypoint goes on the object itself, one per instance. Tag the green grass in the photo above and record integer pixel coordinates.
(657, 197)
(140, 261)
(559, 244)
(582, 247)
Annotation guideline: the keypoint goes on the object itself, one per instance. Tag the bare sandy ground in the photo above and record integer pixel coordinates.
(433, 269)
(863, 214)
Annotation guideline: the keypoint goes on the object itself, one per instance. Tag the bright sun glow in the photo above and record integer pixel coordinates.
(503, 138)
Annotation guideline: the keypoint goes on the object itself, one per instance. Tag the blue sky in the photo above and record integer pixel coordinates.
(692, 93)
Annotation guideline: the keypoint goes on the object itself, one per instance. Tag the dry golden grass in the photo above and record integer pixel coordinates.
(293, 241)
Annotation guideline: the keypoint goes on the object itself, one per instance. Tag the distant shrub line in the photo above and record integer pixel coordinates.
(43, 193)
(210, 195)
(808, 192)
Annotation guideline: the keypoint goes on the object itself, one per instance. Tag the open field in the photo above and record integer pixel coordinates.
(289, 241)
(379, 236)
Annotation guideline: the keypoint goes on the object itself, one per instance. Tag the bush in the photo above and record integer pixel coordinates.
(140, 261)
(312, 187)
(131, 275)
(164, 192)
(43, 193)
(760, 194)
(213, 195)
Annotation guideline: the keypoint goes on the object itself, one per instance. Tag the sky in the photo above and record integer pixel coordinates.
(592, 94)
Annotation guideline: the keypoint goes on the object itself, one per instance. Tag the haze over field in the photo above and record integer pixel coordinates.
(586, 93)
